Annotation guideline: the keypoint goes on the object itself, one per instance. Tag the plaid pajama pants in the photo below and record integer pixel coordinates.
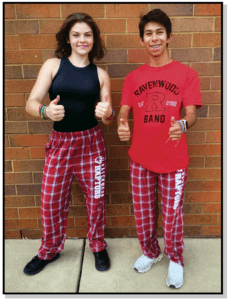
(84, 155)
(144, 192)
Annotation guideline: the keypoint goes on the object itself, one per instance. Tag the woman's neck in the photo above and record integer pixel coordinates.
(79, 61)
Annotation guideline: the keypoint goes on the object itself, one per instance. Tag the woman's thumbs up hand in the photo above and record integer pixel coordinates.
(54, 111)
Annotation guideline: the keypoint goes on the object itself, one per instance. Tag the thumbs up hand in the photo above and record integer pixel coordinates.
(103, 109)
(175, 130)
(54, 111)
(123, 130)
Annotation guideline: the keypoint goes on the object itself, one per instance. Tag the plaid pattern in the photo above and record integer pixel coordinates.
(144, 192)
(84, 155)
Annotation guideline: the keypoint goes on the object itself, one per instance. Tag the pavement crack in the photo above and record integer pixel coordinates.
(82, 259)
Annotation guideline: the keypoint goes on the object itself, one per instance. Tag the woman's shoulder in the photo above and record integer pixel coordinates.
(52, 65)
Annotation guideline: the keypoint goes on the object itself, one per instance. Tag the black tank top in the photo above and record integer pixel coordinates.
(79, 89)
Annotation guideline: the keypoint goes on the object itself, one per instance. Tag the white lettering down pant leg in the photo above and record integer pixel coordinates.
(179, 182)
(99, 177)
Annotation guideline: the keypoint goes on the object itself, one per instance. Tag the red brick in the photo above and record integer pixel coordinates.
(20, 223)
(21, 27)
(6, 140)
(10, 190)
(117, 187)
(15, 178)
(216, 83)
(31, 71)
(207, 9)
(17, 201)
(218, 24)
(192, 24)
(28, 140)
(204, 150)
(195, 137)
(213, 137)
(23, 57)
(194, 185)
(215, 111)
(207, 124)
(117, 210)
(78, 200)
(192, 55)
(204, 83)
(49, 26)
(213, 162)
(120, 175)
(125, 41)
(37, 153)
(76, 233)
(32, 233)
(28, 165)
(206, 40)
(16, 127)
(114, 56)
(16, 153)
(204, 174)
(175, 9)
(200, 219)
(214, 185)
(19, 86)
(29, 189)
(207, 69)
(11, 42)
(12, 234)
(33, 212)
(209, 97)
(121, 70)
(118, 151)
(94, 10)
(37, 41)
(217, 54)
(11, 213)
(117, 232)
(75, 211)
(123, 221)
(212, 208)
(211, 230)
(33, 11)
(125, 10)
(202, 197)
(181, 41)
(7, 166)
(192, 231)
(14, 100)
(81, 222)
(9, 11)
(133, 25)
(13, 72)
(111, 25)
(117, 85)
(118, 164)
(196, 162)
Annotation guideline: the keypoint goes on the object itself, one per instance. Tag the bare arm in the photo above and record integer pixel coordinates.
(104, 108)
(39, 91)
(190, 117)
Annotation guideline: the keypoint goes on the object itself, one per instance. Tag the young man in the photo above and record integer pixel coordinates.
(156, 92)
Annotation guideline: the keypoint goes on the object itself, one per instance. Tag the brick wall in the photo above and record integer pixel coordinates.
(29, 40)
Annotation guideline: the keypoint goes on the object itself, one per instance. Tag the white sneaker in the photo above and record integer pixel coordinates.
(144, 263)
(175, 275)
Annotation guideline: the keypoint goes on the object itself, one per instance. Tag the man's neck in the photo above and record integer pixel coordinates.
(159, 61)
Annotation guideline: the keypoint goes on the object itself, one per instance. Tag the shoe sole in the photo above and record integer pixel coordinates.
(155, 261)
(39, 270)
(173, 286)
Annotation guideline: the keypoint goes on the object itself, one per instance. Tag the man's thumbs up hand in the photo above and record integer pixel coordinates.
(54, 111)
(124, 130)
(175, 130)
(103, 109)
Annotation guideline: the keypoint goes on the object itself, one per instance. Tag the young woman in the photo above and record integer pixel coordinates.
(76, 145)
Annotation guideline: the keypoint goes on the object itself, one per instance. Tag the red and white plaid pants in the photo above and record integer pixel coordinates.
(84, 155)
(144, 192)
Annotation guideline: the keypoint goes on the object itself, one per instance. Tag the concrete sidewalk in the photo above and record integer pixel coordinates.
(202, 271)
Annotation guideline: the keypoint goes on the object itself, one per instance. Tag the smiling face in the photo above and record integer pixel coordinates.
(155, 39)
(81, 38)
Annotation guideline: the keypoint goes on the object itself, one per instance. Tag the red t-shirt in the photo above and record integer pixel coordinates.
(155, 95)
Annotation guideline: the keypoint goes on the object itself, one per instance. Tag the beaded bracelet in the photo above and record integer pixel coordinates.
(111, 117)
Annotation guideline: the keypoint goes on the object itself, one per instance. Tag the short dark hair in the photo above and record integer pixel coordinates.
(158, 16)
(63, 49)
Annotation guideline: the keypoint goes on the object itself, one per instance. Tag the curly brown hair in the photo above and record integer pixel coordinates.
(63, 49)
